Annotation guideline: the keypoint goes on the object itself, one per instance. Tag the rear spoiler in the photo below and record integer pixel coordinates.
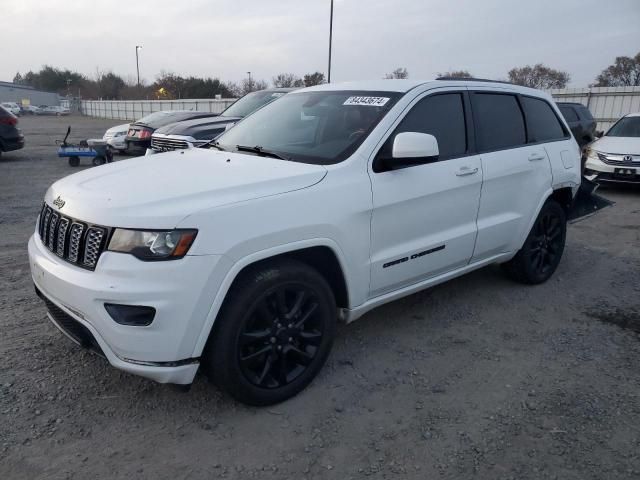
(586, 202)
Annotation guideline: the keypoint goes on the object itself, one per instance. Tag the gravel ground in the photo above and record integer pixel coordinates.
(476, 378)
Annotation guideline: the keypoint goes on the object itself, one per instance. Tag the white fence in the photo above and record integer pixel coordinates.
(607, 104)
(136, 109)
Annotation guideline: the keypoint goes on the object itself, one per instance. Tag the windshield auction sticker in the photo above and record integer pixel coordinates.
(370, 101)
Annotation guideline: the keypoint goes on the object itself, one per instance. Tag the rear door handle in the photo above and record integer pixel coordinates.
(536, 156)
(466, 171)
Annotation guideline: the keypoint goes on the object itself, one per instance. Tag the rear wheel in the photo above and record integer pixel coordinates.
(74, 161)
(273, 334)
(99, 160)
(542, 250)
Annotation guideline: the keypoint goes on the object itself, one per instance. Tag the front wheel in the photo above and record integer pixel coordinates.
(74, 161)
(273, 333)
(540, 255)
(99, 160)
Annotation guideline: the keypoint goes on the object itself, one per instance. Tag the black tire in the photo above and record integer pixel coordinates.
(540, 255)
(273, 334)
(99, 160)
(74, 161)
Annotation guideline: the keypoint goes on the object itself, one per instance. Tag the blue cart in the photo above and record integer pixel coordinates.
(96, 149)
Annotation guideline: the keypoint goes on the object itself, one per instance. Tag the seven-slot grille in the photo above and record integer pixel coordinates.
(77, 242)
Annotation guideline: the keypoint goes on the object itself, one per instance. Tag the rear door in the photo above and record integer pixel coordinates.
(424, 216)
(516, 175)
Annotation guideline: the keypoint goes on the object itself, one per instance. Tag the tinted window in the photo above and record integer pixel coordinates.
(542, 123)
(626, 127)
(499, 121)
(568, 113)
(585, 113)
(441, 116)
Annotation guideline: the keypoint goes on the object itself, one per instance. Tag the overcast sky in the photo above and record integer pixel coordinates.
(227, 38)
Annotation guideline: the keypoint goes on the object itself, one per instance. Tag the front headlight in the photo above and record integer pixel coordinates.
(152, 245)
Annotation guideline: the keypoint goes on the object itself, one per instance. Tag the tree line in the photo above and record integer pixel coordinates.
(624, 71)
(167, 85)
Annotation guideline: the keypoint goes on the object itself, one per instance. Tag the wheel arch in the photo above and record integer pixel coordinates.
(324, 255)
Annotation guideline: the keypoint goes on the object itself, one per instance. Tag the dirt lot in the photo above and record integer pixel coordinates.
(476, 378)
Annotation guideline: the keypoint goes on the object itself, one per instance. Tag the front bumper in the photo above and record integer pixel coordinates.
(117, 143)
(598, 171)
(164, 350)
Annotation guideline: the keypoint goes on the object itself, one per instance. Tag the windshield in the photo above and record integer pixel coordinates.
(250, 103)
(626, 127)
(313, 127)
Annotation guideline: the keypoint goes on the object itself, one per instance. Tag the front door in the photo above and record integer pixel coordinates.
(424, 216)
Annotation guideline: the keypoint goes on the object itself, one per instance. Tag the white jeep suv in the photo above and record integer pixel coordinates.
(241, 257)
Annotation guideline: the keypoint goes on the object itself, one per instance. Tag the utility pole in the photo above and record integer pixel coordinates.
(250, 84)
(330, 40)
(138, 63)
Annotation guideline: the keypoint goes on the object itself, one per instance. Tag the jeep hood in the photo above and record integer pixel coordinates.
(617, 145)
(158, 191)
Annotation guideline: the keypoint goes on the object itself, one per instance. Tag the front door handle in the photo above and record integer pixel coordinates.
(536, 156)
(466, 171)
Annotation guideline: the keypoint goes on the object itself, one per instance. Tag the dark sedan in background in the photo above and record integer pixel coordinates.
(138, 137)
(197, 132)
(11, 137)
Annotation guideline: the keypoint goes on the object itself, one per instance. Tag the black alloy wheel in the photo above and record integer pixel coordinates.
(540, 255)
(273, 333)
(281, 336)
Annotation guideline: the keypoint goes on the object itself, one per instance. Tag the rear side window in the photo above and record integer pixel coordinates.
(542, 123)
(584, 112)
(499, 121)
(569, 113)
(441, 116)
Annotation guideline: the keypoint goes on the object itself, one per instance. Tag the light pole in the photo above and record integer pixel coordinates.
(138, 63)
(250, 85)
(330, 39)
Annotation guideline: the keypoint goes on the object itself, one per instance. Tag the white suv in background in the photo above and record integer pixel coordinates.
(323, 205)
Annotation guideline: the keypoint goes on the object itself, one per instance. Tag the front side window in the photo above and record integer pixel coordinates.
(626, 127)
(440, 115)
(321, 127)
(542, 123)
(499, 121)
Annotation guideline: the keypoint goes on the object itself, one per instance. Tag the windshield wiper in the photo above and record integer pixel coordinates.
(261, 151)
(212, 143)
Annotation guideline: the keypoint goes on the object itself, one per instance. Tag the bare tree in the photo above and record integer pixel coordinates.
(315, 78)
(539, 76)
(456, 74)
(400, 72)
(625, 72)
(287, 80)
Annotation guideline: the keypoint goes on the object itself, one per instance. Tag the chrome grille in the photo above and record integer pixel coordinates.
(168, 144)
(72, 240)
(62, 236)
(618, 159)
(92, 246)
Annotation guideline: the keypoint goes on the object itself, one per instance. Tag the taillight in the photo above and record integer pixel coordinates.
(9, 120)
(144, 134)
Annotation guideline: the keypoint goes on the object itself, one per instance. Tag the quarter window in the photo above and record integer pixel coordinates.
(499, 121)
(441, 116)
(542, 123)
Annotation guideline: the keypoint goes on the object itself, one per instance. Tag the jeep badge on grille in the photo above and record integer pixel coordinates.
(59, 202)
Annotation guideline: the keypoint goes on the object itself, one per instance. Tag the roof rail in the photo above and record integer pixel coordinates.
(472, 79)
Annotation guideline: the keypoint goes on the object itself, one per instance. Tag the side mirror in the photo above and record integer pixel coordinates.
(599, 133)
(409, 149)
(415, 145)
